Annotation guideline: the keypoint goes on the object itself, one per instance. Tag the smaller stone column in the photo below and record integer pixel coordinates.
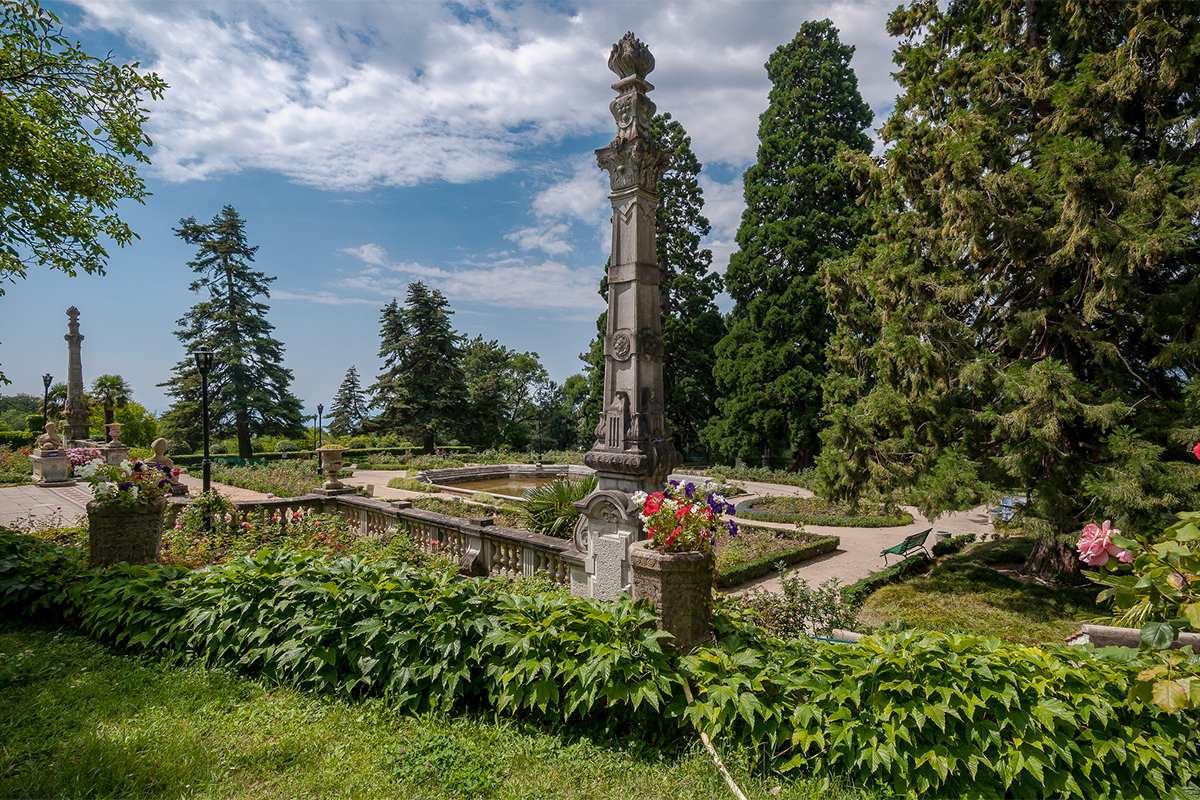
(76, 410)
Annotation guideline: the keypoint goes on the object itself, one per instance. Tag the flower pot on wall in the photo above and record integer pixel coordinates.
(679, 586)
(118, 532)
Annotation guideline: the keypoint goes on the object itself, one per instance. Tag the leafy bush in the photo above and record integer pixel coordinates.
(15, 466)
(433, 462)
(17, 440)
(954, 544)
(285, 446)
(217, 448)
(815, 511)
(280, 478)
(799, 610)
(33, 572)
(805, 546)
(550, 508)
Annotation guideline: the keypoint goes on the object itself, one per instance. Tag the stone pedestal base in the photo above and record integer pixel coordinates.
(52, 470)
(124, 533)
(323, 492)
(114, 454)
(679, 586)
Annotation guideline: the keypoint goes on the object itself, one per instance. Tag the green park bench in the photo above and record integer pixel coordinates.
(910, 545)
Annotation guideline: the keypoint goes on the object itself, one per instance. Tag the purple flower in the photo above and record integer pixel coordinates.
(729, 509)
(690, 490)
(126, 485)
(731, 526)
(674, 483)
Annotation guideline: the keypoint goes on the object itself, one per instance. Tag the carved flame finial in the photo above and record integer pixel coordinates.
(631, 57)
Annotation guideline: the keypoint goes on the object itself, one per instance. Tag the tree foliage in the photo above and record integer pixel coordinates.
(1024, 316)
(421, 389)
(110, 392)
(799, 211)
(70, 142)
(349, 407)
(500, 384)
(248, 384)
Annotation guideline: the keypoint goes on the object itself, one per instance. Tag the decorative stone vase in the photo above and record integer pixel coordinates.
(114, 433)
(679, 586)
(331, 464)
(124, 533)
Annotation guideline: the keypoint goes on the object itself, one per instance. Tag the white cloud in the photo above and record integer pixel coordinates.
(350, 96)
(723, 205)
(549, 238)
(370, 253)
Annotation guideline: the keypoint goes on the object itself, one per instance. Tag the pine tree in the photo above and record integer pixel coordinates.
(349, 407)
(692, 325)
(1024, 317)
(799, 211)
(248, 385)
(421, 389)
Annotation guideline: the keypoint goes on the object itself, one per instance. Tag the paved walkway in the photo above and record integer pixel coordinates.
(856, 557)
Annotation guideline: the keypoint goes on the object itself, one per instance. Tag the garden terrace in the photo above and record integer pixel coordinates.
(478, 545)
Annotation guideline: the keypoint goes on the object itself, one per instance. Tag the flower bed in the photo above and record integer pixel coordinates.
(816, 511)
(15, 466)
(755, 551)
(280, 478)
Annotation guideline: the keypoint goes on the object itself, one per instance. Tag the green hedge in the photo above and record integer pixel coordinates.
(920, 714)
(753, 569)
(857, 592)
(745, 510)
(17, 440)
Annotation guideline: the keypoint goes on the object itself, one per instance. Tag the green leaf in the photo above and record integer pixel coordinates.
(1158, 635)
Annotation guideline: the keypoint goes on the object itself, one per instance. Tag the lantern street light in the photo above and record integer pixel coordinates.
(204, 364)
(320, 411)
(46, 379)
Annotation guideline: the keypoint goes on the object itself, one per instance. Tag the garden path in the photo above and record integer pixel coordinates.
(857, 555)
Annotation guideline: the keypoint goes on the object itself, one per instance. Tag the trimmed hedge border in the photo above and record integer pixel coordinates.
(17, 440)
(194, 460)
(761, 566)
(857, 593)
(745, 510)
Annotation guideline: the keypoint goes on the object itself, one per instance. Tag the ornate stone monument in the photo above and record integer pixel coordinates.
(76, 411)
(633, 449)
(51, 467)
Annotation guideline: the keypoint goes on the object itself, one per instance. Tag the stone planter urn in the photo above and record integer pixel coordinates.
(124, 533)
(331, 465)
(114, 433)
(679, 586)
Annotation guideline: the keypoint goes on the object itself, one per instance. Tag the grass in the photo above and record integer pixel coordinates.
(964, 594)
(411, 485)
(753, 543)
(818, 511)
(77, 720)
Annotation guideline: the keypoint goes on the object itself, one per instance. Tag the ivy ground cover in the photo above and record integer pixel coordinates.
(919, 714)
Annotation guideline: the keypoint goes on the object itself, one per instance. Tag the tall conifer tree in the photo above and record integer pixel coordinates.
(421, 389)
(349, 406)
(248, 384)
(1024, 319)
(799, 211)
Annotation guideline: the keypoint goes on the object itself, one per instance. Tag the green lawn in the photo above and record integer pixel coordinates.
(77, 720)
(963, 593)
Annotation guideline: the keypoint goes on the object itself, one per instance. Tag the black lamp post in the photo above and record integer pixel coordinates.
(320, 411)
(204, 364)
(45, 397)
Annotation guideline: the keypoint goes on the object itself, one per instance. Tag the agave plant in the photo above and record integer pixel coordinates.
(550, 509)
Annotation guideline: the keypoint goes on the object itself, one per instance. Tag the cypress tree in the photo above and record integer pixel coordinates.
(248, 384)
(799, 212)
(421, 389)
(1024, 318)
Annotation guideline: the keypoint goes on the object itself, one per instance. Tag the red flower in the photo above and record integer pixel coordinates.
(1196, 451)
(683, 512)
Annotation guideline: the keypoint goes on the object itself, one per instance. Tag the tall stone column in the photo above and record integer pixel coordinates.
(76, 410)
(633, 449)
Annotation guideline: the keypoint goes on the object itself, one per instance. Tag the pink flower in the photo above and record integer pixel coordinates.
(316, 524)
(247, 525)
(298, 515)
(1095, 546)
(269, 495)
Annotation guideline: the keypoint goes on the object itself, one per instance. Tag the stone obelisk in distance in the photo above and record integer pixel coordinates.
(76, 411)
(633, 449)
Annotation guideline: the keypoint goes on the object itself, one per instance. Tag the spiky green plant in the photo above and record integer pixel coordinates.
(550, 509)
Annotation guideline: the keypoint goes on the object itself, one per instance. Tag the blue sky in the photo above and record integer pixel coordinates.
(369, 145)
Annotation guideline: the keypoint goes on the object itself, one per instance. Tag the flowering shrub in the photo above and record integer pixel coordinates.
(82, 456)
(678, 521)
(126, 483)
(191, 544)
(15, 466)
(1096, 545)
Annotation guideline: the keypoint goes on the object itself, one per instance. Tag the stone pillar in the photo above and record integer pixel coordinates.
(76, 410)
(633, 449)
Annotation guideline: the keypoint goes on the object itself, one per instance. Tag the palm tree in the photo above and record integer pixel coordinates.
(112, 392)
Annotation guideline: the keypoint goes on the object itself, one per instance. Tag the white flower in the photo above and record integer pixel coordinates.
(639, 498)
(126, 469)
(104, 489)
(133, 492)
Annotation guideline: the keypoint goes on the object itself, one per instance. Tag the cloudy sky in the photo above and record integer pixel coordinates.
(371, 144)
